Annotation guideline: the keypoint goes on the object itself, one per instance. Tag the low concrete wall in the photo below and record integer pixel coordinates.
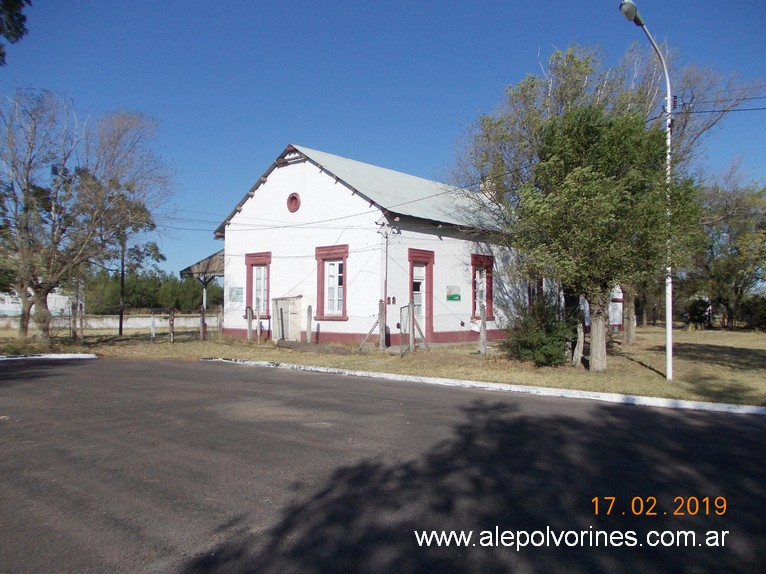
(130, 322)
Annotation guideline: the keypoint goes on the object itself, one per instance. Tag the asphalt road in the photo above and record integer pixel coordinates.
(139, 466)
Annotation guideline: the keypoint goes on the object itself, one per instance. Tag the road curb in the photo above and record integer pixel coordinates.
(49, 356)
(637, 400)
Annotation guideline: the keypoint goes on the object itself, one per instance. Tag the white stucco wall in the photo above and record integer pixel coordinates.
(331, 214)
(451, 269)
(58, 304)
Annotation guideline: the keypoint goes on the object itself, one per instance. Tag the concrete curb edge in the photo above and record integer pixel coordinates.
(522, 389)
(49, 356)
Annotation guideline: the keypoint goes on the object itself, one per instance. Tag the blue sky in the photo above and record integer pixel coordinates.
(392, 83)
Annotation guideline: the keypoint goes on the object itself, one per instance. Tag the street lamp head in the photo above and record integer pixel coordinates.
(630, 11)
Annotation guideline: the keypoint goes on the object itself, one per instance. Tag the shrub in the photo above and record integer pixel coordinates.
(752, 312)
(697, 312)
(539, 333)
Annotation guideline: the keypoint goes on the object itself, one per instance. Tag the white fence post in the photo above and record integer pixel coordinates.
(411, 318)
(309, 315)
(382, 325)
(483, 330)
(249, 317)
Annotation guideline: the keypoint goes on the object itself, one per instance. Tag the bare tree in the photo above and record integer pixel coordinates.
(71, 192)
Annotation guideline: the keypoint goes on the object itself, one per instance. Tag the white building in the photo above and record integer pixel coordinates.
(337, 235)
(58, 304)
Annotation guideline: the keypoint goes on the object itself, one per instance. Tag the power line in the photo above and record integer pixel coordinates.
(721, 111)
(720, 101)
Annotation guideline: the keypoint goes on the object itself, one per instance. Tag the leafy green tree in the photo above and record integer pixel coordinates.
(12, 23)
(584, 197)
(102, 293)
(6, 280)
(752, 312)
(141, 288)
(189, 295)
(186, 295)
(500, 151)
(168, 293)
(731, 263)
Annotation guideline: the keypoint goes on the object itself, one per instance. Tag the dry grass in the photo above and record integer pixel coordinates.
(717, 366)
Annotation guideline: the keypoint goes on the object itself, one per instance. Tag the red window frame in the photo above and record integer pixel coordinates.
(486, 262)
(259, 260)
(323, 255)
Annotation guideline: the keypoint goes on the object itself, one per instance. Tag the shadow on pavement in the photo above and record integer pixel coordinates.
(502, 467)
(18, 370)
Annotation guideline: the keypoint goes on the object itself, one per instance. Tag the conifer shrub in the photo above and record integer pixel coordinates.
(539, 333)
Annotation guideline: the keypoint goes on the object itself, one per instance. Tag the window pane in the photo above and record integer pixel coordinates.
(333, 304)
(260, 288)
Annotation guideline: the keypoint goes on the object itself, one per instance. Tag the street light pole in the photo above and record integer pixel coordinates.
(630, 11)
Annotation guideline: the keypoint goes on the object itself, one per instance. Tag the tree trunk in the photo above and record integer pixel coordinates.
(26, 309)
(629, 316)
(577, 354)
(42, 314)
(599, 320)
(571, 310)
(644, 314)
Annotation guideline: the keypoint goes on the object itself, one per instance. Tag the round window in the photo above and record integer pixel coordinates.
(293, 202)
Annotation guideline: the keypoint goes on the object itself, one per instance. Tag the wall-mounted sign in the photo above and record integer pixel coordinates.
(236, 295)
(453, 293)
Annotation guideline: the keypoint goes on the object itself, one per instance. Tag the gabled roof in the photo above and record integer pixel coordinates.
(390, 191)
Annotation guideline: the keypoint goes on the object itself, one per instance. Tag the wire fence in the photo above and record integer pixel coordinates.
(153, 324)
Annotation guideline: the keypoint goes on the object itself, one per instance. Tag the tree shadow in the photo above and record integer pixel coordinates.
(642, 363)
(722, 390)
(22, 369)
(722, 355)
(140, 337)
(505, 468)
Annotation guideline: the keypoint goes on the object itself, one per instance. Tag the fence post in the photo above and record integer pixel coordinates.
(382, 325)
(258, 322)
(249, 317)
(73, 320)
(483, 330)
(153, 331)
(411, 318)
(172, 324)
(309, 314)
(202, 324)
(81, 318)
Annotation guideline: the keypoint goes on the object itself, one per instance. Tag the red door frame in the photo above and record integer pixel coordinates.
(423, 257)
